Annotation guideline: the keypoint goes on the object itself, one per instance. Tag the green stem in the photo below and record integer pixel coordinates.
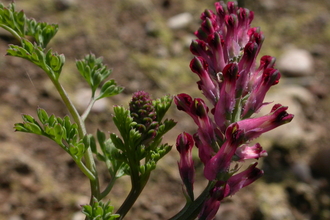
(85, 170)
(236, 115)
(138, 182)
(10, 30)
(137, 187)
(89, 160)
(109, 187)
(88, 109)
(191, 210)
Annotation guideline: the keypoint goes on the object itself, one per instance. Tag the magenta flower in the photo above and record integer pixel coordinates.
(235, 85)
(254, 127)
(227, 188)
(212, 204)
(184, 144)
(218, 166)
(246, 152)
(245, 178)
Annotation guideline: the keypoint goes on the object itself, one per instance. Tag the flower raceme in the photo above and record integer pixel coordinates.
(226, 63)
(144, 114)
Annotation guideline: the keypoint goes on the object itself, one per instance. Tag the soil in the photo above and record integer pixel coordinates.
(38, 180)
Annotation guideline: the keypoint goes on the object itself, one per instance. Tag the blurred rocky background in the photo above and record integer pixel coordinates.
(146, 42)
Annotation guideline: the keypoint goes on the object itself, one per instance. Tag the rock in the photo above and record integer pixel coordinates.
(302, 171)
(273, 202)
(180, 21)
(320, 163)
(78, 216)
(296, 62)
(268, 4)
(63, 5)
(299, 129)
(15, 217)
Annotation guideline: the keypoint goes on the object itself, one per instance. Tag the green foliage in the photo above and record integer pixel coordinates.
(95, 72)
(162, 105)
(13, 21)
(20, 26)
(50, 62)
(109, 154)
(42, 32)
(134, 152)
(60, 130)
(131, 146)
(99, 211)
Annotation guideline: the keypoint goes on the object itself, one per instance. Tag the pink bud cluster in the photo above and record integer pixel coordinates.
(225, 61)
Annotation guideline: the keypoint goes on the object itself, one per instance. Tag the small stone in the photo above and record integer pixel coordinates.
(298, 99)
(63, 5)
(78, 216)
(180, 21)
(302, 171)
(15, 217)
(296, 62)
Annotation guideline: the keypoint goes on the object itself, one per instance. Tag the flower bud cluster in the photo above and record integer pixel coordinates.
(144, 114)
(225, 61)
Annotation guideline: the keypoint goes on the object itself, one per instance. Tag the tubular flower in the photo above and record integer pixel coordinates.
(184, 145)
(246, 152)
(235, 85)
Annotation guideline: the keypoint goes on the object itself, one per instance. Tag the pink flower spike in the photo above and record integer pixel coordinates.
(250, 152)
(244, 178)
(184, 144)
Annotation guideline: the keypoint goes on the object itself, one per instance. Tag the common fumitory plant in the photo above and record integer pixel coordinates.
(232, 81)
(235, 86)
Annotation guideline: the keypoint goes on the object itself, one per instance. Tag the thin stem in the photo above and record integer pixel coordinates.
(90, 163)
(236, 116)
(88, 109)
(191, 210)
(10, 30)
(108, 188)
(85, 170)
